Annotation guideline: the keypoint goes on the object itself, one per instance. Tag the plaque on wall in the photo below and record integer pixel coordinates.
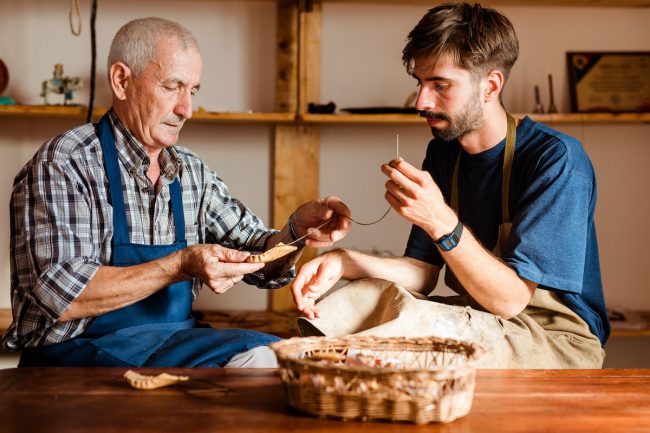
(609, 81)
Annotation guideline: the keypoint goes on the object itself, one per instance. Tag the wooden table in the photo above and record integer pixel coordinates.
(248, 400)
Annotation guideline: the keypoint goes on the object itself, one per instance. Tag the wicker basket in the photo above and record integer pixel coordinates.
(417, 380)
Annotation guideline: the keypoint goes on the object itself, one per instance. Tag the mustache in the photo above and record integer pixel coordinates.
(434, 116)
(175, 119)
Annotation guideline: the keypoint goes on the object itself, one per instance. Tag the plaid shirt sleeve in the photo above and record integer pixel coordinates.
(53, 256)
(224, 220)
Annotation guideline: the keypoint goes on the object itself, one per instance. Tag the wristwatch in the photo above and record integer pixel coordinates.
(449, 241)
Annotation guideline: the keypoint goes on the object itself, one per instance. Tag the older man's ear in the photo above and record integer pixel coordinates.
(119, 77)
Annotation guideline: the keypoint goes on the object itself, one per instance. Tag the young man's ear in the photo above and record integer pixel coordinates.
(120, 76)
(494, 84)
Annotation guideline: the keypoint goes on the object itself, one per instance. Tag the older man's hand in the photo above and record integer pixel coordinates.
(324, 221)
(218, 267)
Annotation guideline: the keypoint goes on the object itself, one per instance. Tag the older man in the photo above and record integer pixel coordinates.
(115, 228)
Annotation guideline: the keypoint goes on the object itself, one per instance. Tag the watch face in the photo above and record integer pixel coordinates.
(4, 77)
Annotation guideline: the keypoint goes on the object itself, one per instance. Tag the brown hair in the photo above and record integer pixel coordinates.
(480, 39)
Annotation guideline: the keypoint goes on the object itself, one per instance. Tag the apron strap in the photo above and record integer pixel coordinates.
(107, 140)
(177, 209)
(508, 156)
(120, 227)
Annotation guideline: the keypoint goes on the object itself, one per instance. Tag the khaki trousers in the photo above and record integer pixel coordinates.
(547, 334)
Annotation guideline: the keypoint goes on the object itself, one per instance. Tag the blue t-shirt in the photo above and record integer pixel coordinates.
(552, 202)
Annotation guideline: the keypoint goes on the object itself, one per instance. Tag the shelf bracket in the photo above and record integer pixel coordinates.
(307, 6)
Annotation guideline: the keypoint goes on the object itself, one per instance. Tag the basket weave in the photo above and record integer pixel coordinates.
(418, 380)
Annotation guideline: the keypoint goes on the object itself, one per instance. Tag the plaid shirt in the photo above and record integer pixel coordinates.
(62, 224)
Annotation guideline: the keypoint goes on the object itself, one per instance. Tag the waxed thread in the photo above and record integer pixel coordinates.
(350, 218)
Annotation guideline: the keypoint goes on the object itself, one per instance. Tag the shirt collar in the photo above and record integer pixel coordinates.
(134, 156)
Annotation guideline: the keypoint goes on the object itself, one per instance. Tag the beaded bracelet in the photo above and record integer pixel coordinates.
(293, 233)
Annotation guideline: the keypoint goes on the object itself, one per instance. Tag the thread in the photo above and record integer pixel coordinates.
(350, 218)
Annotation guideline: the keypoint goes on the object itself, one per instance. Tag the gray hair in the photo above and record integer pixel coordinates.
(136, 42)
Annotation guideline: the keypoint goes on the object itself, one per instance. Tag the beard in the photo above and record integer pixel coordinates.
(469, 118)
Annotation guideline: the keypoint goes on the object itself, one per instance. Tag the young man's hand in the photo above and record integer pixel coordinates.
(314, 279)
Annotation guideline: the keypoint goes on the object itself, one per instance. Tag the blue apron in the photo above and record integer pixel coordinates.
(157, 331)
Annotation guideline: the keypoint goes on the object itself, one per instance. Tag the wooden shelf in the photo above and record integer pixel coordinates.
(501, 3)
(636, 324)
(43, 110)
(79, 111)
(589, 118)
(361, 119)
(261, 118)
(405, 119)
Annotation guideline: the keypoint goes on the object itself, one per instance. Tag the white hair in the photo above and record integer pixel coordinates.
(136, 42)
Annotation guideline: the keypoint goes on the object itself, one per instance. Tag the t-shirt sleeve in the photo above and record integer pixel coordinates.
(551, 222)
(420, 246)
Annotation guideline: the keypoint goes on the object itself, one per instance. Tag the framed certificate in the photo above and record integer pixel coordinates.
(4, 77)
(609, 81)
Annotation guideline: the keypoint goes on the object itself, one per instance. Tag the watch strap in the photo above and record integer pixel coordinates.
(449, 241)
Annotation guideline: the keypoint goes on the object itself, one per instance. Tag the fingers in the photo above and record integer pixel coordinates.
(406, 168)
(310, 309)
(228, 255)
(337, 215)
(222, 285)
(406, 176)
(330, 209)
(394, 202)
(305, 274)
(220, 275)
(337, 206)
(322, 281)
(220, 269)
(313, 280)
(324, 238)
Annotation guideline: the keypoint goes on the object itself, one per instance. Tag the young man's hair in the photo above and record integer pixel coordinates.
(136, 42)
(479, 39)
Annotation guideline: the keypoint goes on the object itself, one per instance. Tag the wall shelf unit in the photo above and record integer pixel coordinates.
(296, 133)
(79, 111)
(583, 3)
(404, 119)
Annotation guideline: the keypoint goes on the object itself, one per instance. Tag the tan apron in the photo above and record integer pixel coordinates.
(547, 334)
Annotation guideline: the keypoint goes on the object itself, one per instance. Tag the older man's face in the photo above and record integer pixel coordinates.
(160, 100)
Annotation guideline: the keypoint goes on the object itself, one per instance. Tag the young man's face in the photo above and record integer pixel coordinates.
(160, 100)
(450, 97)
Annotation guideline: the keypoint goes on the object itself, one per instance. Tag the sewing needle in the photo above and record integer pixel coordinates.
(397, 146)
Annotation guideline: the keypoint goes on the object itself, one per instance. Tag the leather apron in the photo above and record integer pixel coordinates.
(504, 228)
(157, 331)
